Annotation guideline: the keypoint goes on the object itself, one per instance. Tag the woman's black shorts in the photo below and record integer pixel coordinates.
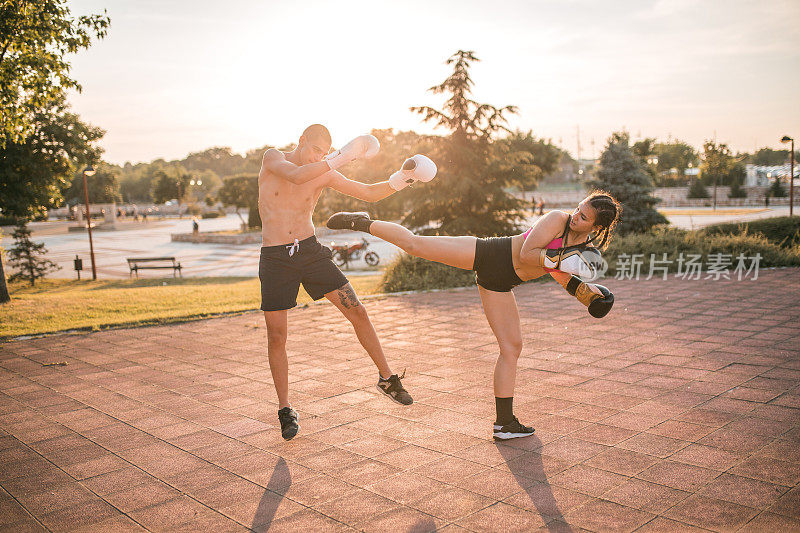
(284, 267)
(494, 265)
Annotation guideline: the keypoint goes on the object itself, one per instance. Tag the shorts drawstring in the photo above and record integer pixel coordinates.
(293, 247)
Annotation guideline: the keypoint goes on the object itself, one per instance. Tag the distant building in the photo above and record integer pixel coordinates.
(761, 175)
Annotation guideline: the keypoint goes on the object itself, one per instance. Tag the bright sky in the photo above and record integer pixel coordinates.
(184, 75)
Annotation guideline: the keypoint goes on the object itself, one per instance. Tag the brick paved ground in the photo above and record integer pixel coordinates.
(678, 411)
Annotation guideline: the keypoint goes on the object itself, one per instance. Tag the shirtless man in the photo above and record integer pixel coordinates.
(289, 185)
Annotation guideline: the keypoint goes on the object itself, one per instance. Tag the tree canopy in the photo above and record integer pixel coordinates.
(34, 172)
(36, 36)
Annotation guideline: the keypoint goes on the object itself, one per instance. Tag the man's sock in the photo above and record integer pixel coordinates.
(505, 410)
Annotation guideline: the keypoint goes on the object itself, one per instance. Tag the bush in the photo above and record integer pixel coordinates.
(697, 190)
(673, 242)
(736, 190)
(783, 231)
(6, 220)
(212, 214)
(408, 273)
(776, 190)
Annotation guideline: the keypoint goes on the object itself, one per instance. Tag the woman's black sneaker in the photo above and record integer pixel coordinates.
(512, 430)
(289, 425)
(393, 388)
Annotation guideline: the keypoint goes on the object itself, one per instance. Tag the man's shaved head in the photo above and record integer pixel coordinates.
(318, 132)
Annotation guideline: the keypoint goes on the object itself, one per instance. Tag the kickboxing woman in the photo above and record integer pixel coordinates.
(562, 244)
(289, 185)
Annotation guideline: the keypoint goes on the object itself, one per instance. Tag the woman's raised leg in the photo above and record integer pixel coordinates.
(454, 251)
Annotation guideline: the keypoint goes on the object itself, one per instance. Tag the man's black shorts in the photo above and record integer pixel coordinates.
(284, 267)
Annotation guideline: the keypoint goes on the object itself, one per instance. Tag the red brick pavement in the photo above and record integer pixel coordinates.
(678, 411)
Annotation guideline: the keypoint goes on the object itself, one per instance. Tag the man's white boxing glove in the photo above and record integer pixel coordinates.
(583, 261)
(416, 168)
(363, 146)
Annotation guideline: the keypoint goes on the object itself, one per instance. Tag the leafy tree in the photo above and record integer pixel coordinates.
(135, 187)
(33, 172)
(36, 36)
(535, 157)
(241, 191)
(169, 184)
(221, 160)
(646, 151)
(103, 186)
(468, 195)
(24, 257)
(769, 157)
(621, 173)
(676, 154)
(717, 164)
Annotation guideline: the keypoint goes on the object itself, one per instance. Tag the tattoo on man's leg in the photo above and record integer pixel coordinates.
(348, 297)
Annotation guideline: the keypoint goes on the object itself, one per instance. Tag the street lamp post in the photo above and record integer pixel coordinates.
(787, 139)
(89, 171)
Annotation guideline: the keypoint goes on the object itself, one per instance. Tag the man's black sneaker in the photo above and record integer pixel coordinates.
(512, 430)
(353, 221)
(393, 388)
(289, 425)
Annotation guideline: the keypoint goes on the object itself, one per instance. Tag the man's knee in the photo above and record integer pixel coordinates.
(276, 335)
(357, 313)
(511, 349)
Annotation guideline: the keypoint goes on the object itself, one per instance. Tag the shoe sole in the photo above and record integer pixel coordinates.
(508, 436)
(390, 397)
(352, 213)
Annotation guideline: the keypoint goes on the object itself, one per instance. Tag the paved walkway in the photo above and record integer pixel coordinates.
(678, 411)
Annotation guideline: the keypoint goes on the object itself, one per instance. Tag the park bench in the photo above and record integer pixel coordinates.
(135, 264)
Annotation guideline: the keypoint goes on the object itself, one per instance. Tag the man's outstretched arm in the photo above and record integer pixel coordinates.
(416, 168)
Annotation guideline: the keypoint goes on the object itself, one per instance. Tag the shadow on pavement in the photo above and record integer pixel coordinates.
(529, 467)
(278, 485)
(425, 525)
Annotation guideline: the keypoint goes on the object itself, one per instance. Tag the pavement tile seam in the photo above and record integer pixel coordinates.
(142, 509)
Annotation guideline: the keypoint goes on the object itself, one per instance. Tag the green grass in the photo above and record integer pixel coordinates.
(59, 305)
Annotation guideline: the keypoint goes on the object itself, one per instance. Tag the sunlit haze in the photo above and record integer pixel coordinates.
(181, 76)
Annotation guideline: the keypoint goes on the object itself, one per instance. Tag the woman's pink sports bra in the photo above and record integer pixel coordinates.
(555, 243)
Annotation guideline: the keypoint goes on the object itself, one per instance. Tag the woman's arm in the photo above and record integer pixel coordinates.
(545, 230)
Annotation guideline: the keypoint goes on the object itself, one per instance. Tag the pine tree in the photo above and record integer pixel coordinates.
(467, 196)
(622, 175)
(24, 258)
